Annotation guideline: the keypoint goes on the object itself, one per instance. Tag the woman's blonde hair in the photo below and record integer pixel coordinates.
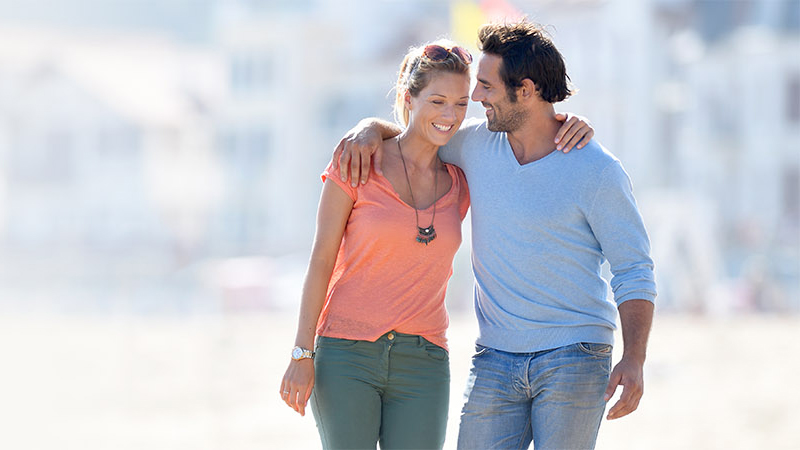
(416, 72)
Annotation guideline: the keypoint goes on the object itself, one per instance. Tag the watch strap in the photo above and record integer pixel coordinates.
(303, 353)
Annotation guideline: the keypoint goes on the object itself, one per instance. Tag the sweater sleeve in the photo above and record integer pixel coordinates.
(618, 227)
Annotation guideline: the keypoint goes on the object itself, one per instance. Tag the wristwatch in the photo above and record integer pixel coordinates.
(299, 353)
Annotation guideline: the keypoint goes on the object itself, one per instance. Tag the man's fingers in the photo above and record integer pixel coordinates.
(377, 159)
(364, 168)
(344, 164)
(628, 402)
(613, 382)
(355, 169)
(614, 411)
(622, 408)
(337, 153)
(621, 405)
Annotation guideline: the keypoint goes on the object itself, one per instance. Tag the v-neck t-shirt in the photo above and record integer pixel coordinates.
(384, 280)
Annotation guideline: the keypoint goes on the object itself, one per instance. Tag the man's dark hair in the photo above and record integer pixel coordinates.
(527, 52)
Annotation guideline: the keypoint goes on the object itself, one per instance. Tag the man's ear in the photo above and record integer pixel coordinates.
(528, 90)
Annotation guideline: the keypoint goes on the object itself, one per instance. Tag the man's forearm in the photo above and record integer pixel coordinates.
(636, 317)
(386, 128)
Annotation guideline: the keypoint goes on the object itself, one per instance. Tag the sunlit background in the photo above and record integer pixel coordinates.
(159, 177)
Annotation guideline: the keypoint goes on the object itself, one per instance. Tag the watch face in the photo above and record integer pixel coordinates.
(297, 352)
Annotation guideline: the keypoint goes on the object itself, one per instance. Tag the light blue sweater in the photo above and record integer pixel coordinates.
(540, 233)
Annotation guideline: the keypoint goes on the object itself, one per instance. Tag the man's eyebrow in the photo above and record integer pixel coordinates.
(482, 81)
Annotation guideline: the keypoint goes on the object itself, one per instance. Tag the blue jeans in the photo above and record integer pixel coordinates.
(553, 398)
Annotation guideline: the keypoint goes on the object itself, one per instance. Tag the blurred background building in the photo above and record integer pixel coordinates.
(164, 157)
(159, 178)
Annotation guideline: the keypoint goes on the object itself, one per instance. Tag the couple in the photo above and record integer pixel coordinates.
(543, 221)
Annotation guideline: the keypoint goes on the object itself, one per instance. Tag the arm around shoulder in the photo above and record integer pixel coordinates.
(357, 147)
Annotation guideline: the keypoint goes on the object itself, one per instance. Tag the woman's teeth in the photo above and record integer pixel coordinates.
(442, 127)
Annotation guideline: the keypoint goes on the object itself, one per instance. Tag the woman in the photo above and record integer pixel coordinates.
(375, 286)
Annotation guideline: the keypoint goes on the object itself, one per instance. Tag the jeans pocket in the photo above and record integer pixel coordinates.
(595, 349)
(436, 352)
(329, 342)
(480, 351)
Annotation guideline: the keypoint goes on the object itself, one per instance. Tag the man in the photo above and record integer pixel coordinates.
(543, 222)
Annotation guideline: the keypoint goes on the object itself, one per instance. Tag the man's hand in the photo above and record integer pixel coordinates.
(629, 374)
(576, 132)
(359, 145)
(636, 317)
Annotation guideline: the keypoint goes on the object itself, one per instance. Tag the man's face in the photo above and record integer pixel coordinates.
(490, 90)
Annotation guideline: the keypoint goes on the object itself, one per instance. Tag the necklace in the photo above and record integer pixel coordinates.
(427, 234)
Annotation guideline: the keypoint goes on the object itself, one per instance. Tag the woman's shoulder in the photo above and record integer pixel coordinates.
(455, 172)
(458, 177)
(460, 188)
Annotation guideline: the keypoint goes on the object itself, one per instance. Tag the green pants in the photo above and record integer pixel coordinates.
(394, 391)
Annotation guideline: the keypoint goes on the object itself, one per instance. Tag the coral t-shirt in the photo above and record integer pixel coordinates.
(384, 280)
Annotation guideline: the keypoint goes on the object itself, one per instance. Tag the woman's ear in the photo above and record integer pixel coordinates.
(407, 99)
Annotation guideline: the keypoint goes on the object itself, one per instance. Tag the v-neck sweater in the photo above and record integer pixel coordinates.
(540, 233)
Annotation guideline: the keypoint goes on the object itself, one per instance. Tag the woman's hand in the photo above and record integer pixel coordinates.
(576, 132)
(298, 381)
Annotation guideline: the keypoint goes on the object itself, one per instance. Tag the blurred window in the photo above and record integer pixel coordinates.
(791, 194)
(245, 149)
(117, 142)
(48, 160)
(251, 72)
(793, 99)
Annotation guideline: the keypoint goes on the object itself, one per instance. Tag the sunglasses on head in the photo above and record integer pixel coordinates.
(437, 53)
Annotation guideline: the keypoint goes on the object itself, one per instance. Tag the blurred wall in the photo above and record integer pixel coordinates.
(165, 157)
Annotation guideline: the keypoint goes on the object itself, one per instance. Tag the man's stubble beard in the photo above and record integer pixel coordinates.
(512, 120)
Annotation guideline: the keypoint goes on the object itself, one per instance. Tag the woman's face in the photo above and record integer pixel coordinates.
(437, 112)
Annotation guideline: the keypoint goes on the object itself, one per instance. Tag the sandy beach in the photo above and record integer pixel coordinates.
(211, 382)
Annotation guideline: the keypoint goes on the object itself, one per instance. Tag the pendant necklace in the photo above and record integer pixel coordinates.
(427, 234)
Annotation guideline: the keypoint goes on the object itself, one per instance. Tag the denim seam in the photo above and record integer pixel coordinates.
(525, 433)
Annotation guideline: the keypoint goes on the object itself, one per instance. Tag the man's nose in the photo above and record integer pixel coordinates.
(476, 95)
